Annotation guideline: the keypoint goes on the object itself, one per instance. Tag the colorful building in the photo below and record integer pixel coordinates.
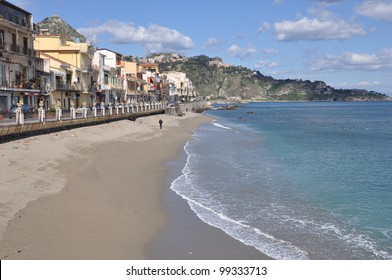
(71, 69)
(134, 80)
(36, 65)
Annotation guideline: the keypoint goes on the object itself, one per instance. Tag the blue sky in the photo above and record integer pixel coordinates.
(347, 44)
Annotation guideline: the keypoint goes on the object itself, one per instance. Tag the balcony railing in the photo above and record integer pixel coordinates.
(60, 85)
(42, 65)
(87, 69)
(17, 49)
(5, 83)
(15, 18)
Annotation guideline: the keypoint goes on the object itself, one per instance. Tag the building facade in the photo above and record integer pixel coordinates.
(134, 81)
(71, 69)
(112, 79)
(38, 66)
(19, 81)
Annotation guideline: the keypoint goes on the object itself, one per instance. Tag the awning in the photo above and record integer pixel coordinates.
(32, 93)
(26, 91)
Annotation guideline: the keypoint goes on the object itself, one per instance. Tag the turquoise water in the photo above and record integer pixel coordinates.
(296, 180)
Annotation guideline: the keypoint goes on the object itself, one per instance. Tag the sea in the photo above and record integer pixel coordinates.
(296, 180)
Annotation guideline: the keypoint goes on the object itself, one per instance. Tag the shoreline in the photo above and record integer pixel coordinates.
(93, 192)
(186, 237)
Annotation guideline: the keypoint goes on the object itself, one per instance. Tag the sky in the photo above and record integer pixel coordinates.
(345, 43)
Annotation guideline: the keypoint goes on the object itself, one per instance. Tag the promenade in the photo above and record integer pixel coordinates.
(21, 125)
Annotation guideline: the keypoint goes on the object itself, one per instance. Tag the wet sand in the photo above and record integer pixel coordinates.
(186, 237)
(102, 192)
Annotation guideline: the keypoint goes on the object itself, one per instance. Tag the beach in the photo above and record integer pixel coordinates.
(101, 192)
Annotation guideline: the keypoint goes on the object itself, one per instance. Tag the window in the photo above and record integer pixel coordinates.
(13, 46)
(17, 78)
(1, 38)
(3, 75)
(25, 45)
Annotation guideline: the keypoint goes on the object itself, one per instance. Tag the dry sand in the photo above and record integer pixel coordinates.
(92, 192)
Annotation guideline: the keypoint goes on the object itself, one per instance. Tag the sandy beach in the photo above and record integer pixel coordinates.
(100, 192)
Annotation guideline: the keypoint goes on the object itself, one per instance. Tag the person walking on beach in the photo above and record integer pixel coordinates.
(160, 123)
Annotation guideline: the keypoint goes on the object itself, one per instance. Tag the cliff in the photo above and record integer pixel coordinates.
(56, 25)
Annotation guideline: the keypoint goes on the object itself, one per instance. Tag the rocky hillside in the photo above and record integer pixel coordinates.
(56, 25)
(213, 78)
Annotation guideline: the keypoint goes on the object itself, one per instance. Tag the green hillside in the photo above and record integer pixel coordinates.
(212, 78)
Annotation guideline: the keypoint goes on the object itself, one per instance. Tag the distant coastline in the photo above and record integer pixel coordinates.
(215, 80)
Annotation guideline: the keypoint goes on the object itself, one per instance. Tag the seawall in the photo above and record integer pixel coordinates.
(10, 132)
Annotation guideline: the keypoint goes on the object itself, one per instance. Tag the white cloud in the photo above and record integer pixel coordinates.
(266, 64)
(354, 61)
(278, 2)
(154, 38)
(376, 9)
(368, 84)
(263, 27)
(316, 29)
(212, 44)
(270, 51)
(241, 53)
(330, 2)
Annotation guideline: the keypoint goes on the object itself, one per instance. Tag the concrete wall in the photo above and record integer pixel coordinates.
(182, 108)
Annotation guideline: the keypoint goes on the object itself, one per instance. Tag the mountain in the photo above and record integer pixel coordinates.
(212, 78)
(56, 25)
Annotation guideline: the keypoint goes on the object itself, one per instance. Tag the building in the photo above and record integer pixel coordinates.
(152, 80)
(111, 82)
(99, 86)
(134, 80)
(20, 71)
(70, 69)
(38, 66)
(176, 84)
(189, 93)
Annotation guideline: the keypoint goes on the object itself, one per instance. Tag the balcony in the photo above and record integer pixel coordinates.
(19, 86)
(87, 70)
(42, 65)
(17, 49)
(16, 19)
(106, 68)
(60, 85)
(91, 50)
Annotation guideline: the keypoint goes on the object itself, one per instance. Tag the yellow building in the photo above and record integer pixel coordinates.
(134, 81)
(71, 71)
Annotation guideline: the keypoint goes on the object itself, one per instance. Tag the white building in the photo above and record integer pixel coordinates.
(109, 77)
(180, 87)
